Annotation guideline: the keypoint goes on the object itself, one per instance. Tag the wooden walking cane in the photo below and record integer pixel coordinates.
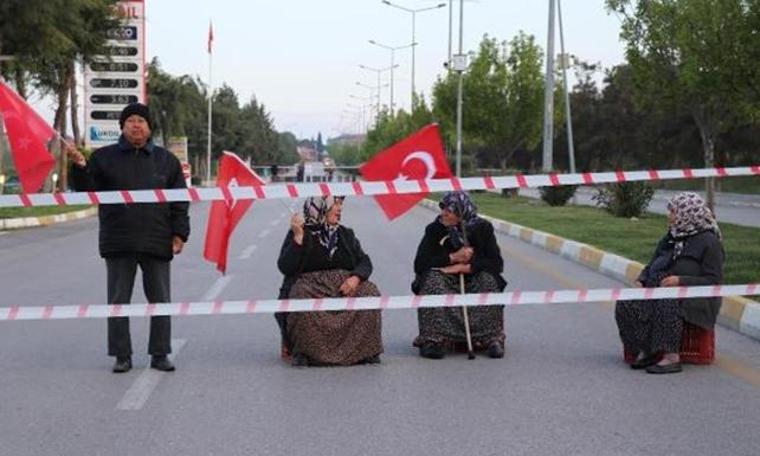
(470, 352)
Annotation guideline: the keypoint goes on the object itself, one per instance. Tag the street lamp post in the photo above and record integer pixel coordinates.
(366, 102)
(373, 89)
(393, 50)
(413, 12)
(379, 71)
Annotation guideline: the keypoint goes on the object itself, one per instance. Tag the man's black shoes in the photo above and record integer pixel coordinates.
(162, 363)
(123, 364)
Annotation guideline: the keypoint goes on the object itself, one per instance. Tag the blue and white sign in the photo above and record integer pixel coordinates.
(116, 79)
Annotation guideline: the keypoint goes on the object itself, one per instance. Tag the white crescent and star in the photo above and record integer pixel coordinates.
(426, 158)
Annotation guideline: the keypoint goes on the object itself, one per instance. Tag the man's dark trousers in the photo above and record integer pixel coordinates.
(156, 284)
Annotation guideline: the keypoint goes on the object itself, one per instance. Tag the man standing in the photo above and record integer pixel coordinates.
(144, 234)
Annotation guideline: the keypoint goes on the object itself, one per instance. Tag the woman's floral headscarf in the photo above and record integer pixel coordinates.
(692, 215)
(315, 211)
(462, 205)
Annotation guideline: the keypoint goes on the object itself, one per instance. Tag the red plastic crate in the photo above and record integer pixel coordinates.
(697, 346)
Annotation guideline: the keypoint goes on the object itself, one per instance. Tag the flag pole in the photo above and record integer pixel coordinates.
(210, 96)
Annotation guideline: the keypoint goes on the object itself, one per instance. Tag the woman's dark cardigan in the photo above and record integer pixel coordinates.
(700, 264)
(311, 256)
(432, 253)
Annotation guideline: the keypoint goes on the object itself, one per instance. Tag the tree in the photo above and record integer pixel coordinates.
(502, 97)
(687, 54)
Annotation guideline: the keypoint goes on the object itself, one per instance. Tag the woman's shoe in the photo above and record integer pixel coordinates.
(299, 360)
(671, 368)
(646, 361)
(371, 360)
(432, 351)
(496, 350)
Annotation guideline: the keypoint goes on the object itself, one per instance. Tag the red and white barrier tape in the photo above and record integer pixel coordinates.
(281, 191)
(513, 298)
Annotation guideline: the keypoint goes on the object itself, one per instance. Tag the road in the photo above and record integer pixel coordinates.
(733, 208)
(562, 388)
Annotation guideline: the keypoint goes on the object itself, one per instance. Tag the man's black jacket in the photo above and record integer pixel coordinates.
(139, 227)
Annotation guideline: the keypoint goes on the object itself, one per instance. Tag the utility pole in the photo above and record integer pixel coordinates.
(549, 95)
(460, 66)
(568, 113)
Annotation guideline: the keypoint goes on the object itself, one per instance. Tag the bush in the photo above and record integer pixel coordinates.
(624, 199)
(557, 195)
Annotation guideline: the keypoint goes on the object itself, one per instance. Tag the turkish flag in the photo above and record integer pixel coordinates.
(210, 37)
(29, 136)
(224, 215)
(418, 156)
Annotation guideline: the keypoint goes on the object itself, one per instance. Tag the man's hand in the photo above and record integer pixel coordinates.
(74, 155)
(670, 281)
(177, 245)
(348, 288)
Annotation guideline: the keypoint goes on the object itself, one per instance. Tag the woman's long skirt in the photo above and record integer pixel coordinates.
(649, 327)
(445, 325)
(333, 337)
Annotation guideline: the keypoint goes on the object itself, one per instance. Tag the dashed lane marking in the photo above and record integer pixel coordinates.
(137, 394)
(247, 252)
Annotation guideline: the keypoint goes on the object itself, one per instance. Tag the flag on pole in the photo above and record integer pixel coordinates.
(418, 156)
(210, 36)
(29, 136)
(225, 215)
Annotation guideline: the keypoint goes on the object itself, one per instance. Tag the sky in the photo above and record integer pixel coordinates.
(301, 58)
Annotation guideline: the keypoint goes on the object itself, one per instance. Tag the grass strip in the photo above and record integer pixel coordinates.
(630, 238)
(39, 211)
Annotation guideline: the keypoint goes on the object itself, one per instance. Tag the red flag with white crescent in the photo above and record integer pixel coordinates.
(29, 136)
(225, 215)
(418, 156)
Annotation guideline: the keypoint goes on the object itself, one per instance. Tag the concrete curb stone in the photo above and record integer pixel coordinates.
(29, 222)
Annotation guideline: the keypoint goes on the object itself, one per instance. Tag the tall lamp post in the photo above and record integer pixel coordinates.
(414, 12)
(366, 102)
(393, 50)
(373, 89)
(379, 71)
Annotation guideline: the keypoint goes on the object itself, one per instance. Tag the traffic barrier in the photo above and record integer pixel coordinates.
(365, 188)
(512, 298)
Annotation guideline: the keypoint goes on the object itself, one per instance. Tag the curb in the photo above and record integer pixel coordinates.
(737, 312)
(29, 222)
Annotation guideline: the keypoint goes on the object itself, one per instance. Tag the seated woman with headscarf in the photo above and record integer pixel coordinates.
(690, 254)
(321, 258)
(459, 242)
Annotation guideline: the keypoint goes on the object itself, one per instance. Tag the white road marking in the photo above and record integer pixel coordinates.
(217, 288)
(264, 233)
(247, 252)
(137, 394)
(275, 222)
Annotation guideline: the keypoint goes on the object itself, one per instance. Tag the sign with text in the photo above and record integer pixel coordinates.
(117, 78)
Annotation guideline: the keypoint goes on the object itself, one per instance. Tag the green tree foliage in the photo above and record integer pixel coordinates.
(691, 55)
(47, 38)
(502, 98)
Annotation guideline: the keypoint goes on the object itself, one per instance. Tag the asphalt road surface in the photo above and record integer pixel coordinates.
(562, 388)
(736, 208)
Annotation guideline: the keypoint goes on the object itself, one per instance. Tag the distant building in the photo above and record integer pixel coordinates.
(307, 153)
